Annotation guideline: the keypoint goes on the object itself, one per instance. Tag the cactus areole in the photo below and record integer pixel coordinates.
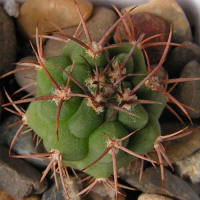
(93, 105)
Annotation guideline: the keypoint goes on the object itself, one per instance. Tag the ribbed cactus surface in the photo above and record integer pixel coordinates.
(94, 102)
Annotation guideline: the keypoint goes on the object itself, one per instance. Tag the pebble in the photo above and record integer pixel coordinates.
(24, 144)
(5, 196)
(180, 56)
(195, 187)
(12, 6)
(1, 102)
(150, 25)
(174, 187)
(103, 192)
(188, 93)
(18, 178)
(152, 197)
(43, 13)
(7, 42)
(54, 194)
(28, 77)
(101, 20)
(171, 12)
(189, 168)
(32, 198)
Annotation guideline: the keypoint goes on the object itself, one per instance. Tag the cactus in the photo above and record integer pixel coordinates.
(84, 116)
(97, 107)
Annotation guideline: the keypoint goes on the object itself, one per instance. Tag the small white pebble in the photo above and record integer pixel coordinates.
(12, 6)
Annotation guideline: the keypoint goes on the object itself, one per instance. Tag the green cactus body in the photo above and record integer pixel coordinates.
(86, 123)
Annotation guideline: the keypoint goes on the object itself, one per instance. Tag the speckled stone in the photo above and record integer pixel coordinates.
(189, 168)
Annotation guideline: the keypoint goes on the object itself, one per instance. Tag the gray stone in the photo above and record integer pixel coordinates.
(24, 144)
(100, 21)
(180, 56)
(195, 187)
(174, 187)
(189, 168)
(54, 194)
(152, 197)
(7, 42)
(18, 178)
(103, 192)
(188, 93)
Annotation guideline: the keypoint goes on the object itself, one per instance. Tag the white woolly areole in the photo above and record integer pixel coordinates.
(97, 107)
(90, 82)
(55, 155)
(61, 94)
(126, 97)
(95, 49)
(153, 83)
(117, 73)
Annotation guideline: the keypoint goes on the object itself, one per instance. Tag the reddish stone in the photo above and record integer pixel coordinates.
(150, 25)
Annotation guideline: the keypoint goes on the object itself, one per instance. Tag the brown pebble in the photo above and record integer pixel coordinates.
(146, 196)
(47, 12)
(5, 196)
(150, 25)
(32, 198)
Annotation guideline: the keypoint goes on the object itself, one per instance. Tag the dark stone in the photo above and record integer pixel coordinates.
(180, 56)
(188, 93)
(7, 42)
(54, 194)
(174, 186)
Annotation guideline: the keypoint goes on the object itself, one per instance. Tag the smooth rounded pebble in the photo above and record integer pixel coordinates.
(27, 78)
(45, 13)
